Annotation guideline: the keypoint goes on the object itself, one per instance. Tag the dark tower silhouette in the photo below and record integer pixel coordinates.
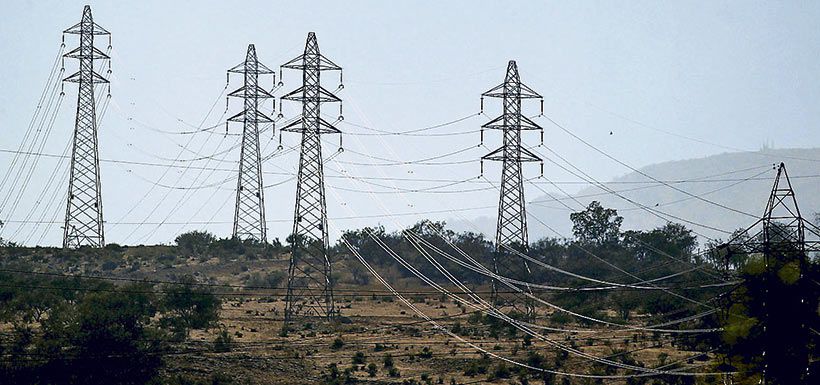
(511, 231)
(249, 216)
(84, 212)
(310, 290)
(786, 305)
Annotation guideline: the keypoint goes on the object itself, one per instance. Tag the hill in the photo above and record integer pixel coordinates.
(740, 180)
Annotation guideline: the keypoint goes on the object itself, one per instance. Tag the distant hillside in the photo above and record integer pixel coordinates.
(717, 178)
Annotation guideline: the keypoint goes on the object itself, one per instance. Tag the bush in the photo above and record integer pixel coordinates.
(358, 358)
(189, 306)
(194, 242)
(106, 333)
(372, 369)
(265, 280)
(109, 265)
(223, 341)
(337, 344)
(388, 360)
(500, 371)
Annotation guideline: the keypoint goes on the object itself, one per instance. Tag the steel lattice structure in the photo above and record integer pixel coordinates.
(84, 213)
(310, 290)
(249, 216)
(511, 233)
(781, 234)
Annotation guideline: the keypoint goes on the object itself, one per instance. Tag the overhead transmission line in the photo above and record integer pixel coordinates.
(598, 150)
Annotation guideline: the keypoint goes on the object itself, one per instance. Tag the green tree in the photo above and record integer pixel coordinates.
(596, 225)
(189, 306)
(194, 242)
(102, 337)
(772, 311)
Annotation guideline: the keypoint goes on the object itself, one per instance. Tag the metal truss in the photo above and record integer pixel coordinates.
(310, 289)
(249, 216)
(84, 212)
(511, 233)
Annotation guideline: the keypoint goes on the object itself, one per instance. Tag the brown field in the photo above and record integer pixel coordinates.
(372, 322)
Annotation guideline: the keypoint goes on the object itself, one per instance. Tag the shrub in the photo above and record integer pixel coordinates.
(189, 306)
(194, 242)
(358, 358)
(388, 360)
(223, 341)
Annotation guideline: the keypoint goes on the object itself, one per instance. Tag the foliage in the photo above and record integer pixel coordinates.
(194, 242)
(223, 341)
(189, 306)
(596, 225)
(772, 311)
(93, 333)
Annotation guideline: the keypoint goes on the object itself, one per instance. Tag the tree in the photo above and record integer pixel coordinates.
(189, 306)
(101, 337)
(596, 225)
(194, 242)
(767, 313)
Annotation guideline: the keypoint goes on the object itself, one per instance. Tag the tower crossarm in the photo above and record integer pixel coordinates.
(323, 96)
(84, 212)
(310, 287)
(525, 123)
(299, 124)
(249, 215)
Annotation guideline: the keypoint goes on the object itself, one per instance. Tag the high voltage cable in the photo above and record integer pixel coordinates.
(422, 161)
(658, 213)
(661, 252)
(245, 288)
(413, 132)
(725, 147)
(386, 250)
(168, 167)
(495, 314)
(422, 275)
(102, 105)
(579, 182)
(643, 173)
(165, 196)
(39, 121)
(34, 117)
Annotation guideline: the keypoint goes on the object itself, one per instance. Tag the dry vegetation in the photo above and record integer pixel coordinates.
(248, 346)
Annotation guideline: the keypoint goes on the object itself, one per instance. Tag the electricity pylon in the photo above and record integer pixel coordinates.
(310, 289)
(511, 231)
(784, 240)
(84, 212)
(249, 216)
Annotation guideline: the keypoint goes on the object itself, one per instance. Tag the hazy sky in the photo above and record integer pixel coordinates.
(727, 75)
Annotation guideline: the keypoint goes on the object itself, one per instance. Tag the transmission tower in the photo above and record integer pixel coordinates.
(511, 233)
(782, 236)
(310, 290)
(249, 217)
(84, 218)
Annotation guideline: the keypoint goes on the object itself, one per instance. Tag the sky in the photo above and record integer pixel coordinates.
(646, 82)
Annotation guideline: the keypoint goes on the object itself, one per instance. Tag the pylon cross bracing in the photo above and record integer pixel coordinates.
(784, 240)
(511, 229)
(84, 211)
(310, 289)
(249, 215)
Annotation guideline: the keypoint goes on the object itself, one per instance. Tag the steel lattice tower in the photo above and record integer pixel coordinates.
(310, 290)
(249, 216)
(511, 233)
(782, 234)
(84, 217)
